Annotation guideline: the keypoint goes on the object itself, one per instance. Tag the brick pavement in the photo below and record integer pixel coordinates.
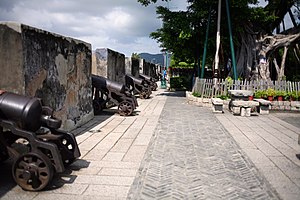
(192, 156)
(271, 144)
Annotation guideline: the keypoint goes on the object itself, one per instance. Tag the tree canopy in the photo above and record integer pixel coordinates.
(183, 32)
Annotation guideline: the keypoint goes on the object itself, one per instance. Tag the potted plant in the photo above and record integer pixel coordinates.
(287, 96)
(270, 92)
(280, 94)
(294, 96)
(259, 94)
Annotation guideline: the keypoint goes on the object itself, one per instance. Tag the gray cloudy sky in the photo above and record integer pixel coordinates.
(121, 25)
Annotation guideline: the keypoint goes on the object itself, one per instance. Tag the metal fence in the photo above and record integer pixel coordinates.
(219, 87)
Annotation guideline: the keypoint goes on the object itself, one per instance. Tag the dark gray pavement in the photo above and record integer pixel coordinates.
(192, 156)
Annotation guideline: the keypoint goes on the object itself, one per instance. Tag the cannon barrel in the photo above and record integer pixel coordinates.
(104, 83)
(25, 111)
(148, 78)
(134, 79)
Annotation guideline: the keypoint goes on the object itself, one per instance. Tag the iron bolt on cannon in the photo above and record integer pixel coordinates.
(29, 135)
(150, 81)
(105, 90)
(138, 86)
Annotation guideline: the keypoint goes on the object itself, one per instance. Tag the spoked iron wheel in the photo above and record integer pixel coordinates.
(145, 94)
(125, 108)
(32, 171)
(154, 87)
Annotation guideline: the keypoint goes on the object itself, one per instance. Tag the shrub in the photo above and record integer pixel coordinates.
(196, 94)
(270, 92)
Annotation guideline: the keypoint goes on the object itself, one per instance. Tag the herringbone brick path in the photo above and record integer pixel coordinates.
(192, 156)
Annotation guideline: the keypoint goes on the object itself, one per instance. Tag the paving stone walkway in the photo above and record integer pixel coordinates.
(172, 150)
(192, 156)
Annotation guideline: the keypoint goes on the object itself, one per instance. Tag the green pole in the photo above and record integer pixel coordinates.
(231, 41)
(205, 45)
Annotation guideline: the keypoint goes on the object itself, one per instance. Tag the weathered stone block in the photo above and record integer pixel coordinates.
(132, 66)
(217, 105)
(147, 68)
(245, 111)
(109, 64)
(236, 110)
(52, 67)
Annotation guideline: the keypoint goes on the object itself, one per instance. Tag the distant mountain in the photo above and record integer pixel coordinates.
(153, 58)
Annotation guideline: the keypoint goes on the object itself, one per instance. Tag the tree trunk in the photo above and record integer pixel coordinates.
(268, 46)
(218, 39)
(280, 70)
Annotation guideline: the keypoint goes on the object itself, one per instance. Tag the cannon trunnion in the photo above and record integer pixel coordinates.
(137, 86)
(105, 90)
(29, 135)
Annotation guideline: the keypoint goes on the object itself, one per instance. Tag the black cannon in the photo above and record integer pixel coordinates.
(150, 81)
(105, 90)
(29, 135)
(138, 86)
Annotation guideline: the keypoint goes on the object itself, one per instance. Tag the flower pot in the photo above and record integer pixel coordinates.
(280, 98)
(270, 98)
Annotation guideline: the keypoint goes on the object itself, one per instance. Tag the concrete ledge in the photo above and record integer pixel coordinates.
(264, 106)
(245, 103)
(217, 105)
(275, 105)
(263, 102)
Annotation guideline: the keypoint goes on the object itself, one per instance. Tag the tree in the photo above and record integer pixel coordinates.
(253, 28)
(135, 56)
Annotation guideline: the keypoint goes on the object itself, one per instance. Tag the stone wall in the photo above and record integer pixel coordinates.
(132, 66)
(128, 64)
(109, 64)
(147, 68)
(52, 67)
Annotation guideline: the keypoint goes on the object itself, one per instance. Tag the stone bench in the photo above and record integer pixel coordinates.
(217, 105)
(264, 106)
(242, 108)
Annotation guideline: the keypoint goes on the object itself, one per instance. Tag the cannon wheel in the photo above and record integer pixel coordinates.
(97, 107)
(125, 108)
(68, 150)
(32, 171)
(154, 87)
(145, 94)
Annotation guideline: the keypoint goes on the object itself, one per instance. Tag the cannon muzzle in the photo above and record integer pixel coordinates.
(25, 111)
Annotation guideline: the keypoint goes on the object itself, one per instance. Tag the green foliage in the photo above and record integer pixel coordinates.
(135, 56)
(196, 94)
(183, 32)
(295, 95)
(280, 93)
(260, 94)
(270, 92)
(180, 83)
(228, 82)
(147, 2)
(223, 97)
(176, 82)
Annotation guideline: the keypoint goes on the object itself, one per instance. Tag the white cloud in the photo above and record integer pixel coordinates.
(122, 25)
